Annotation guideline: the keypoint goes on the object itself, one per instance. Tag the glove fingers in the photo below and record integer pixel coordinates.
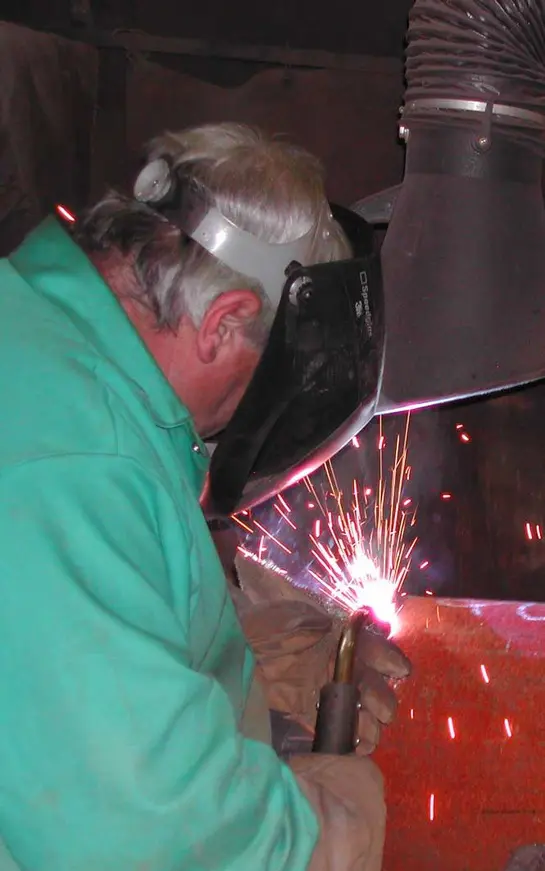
(377, 697)
(383, 655)
(368, 733)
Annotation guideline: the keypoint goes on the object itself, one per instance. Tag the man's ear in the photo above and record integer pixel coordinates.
(225, 319)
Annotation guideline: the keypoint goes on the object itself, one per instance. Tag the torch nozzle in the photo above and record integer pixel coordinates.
(348, 642)
(337, 720)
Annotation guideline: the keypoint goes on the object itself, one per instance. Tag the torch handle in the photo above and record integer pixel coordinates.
(337, 720)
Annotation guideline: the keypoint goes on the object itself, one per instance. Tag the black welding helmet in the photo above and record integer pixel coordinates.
(317, 383)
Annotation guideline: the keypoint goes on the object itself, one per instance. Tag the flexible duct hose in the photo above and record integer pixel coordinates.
(487, 50)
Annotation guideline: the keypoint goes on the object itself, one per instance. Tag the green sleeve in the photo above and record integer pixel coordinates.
(115, 754)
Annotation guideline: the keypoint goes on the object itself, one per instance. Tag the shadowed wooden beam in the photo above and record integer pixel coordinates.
(137, 42)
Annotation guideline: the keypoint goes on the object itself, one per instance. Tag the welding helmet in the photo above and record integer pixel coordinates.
(318, 379)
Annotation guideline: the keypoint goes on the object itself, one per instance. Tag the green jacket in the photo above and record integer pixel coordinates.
(124, 674)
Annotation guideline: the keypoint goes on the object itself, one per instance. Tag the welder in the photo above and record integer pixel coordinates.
(218, 301)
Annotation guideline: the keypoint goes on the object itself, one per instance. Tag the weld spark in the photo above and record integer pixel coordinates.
(360, 551)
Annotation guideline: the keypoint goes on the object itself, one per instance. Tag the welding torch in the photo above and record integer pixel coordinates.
(339, 703)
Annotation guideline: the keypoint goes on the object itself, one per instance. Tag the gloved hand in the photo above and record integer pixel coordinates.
(347, 795)
(295, 642)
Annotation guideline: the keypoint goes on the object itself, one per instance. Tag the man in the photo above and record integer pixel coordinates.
(131, 738)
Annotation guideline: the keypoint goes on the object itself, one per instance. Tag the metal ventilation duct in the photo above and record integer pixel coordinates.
(464, 254)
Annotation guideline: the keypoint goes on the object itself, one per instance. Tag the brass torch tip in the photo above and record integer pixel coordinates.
(346, 651)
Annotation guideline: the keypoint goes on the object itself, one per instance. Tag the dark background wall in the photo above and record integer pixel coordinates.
(332, 82)
(364, 28)
(46, 112)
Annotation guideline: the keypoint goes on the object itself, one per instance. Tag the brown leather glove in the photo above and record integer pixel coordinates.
(295, 641)
(347, 795)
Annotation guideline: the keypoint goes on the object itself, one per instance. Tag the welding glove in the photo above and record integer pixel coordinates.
(347, 795)
(295, 640)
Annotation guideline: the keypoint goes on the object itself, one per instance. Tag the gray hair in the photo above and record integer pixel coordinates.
(264, 185)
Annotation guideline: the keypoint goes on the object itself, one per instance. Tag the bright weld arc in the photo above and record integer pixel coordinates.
(351, 576)
(366, 559)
